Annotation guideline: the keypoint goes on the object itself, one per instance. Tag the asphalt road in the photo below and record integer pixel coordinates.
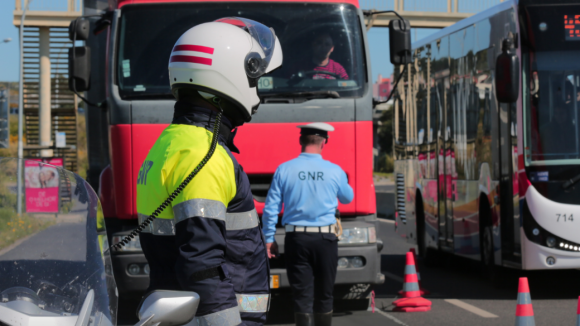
(460, 296)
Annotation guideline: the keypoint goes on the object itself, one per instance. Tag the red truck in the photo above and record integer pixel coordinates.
(129, 80)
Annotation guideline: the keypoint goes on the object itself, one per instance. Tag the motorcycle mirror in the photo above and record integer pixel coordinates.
(163, 307)
(87, 308)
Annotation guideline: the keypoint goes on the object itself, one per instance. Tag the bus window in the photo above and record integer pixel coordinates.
(556, 111)
(553, 94)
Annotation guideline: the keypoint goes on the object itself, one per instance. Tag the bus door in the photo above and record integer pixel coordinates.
(506, 191)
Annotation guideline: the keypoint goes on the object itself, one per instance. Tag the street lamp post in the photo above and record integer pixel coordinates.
(6, 40)
(21, 109)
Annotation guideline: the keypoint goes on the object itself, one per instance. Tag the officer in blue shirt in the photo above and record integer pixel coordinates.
(308, 187)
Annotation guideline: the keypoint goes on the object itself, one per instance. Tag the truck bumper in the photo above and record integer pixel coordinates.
(368, 274)
(127, 284)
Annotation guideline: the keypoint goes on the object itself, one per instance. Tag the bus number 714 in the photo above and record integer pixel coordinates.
(564, 217)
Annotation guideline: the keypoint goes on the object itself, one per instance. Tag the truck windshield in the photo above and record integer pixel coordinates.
(308, 32)
(552, 87)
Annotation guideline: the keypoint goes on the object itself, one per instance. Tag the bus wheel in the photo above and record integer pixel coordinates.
(491, 272)
(429, 255)
(421, 244)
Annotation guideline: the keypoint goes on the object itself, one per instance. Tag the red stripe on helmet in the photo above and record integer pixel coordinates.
(196, 48)
(191, 59)
(235, 22)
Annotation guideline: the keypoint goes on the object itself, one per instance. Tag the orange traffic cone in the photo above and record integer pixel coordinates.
(411, 300)
(524, 311)
(423, 291)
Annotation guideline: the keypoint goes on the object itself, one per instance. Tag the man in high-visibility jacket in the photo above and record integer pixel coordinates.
(209, 240)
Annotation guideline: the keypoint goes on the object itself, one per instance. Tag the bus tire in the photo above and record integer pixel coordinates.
(428, 254)
(420, 213)
(489, 270)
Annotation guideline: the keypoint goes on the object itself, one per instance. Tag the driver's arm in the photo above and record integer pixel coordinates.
(340, 71)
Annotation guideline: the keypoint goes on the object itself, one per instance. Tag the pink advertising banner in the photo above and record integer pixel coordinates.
(42, 185)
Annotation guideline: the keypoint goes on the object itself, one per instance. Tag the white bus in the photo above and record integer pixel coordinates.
(486, 143)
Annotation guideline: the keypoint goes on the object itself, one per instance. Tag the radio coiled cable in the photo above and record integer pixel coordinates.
(179, 189)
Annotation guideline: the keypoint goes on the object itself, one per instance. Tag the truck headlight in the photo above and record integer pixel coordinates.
(358, 235)
(133, 245)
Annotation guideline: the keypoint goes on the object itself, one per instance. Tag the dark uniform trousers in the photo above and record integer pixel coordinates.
(311, 263)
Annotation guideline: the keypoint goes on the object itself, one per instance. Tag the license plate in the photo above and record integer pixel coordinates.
(274, 281)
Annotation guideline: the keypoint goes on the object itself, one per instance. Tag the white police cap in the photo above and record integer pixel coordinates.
(316, 128)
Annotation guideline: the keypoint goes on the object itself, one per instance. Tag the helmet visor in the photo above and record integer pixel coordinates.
(263, 43)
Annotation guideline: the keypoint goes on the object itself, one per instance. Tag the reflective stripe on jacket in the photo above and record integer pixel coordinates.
(209, 240)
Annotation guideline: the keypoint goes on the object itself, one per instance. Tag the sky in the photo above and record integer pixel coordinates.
(8, 51)
(378, 38)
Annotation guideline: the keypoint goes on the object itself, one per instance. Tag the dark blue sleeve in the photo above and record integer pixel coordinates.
(201, 245)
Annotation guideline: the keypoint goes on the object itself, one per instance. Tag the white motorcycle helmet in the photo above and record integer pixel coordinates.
(225, 59)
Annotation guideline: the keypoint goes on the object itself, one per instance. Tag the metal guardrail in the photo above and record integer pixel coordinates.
(449, 6)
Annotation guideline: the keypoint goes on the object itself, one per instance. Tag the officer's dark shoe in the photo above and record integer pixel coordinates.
(324, 319)
(303, 319)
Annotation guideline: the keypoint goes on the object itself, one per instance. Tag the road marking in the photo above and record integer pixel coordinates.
(470, 308)
(388, 316)
(386, 221)
(393, 277)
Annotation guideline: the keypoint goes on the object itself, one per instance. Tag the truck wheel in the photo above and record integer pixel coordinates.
(352, 292)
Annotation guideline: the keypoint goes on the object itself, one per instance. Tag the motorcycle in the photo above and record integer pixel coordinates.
(55, 266)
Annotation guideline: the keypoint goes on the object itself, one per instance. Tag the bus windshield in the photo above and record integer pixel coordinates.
(552, 90)
(321, 43)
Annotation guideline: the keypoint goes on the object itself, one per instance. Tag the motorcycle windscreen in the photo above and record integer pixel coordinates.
(54, 262)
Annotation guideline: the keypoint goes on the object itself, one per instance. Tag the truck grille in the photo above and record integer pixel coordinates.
(401, 197)
(259, 185)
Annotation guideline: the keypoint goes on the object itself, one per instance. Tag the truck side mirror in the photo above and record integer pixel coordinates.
(79, 57)
(400, 41)
(78, 30)
(79, 68)
(507, 71)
